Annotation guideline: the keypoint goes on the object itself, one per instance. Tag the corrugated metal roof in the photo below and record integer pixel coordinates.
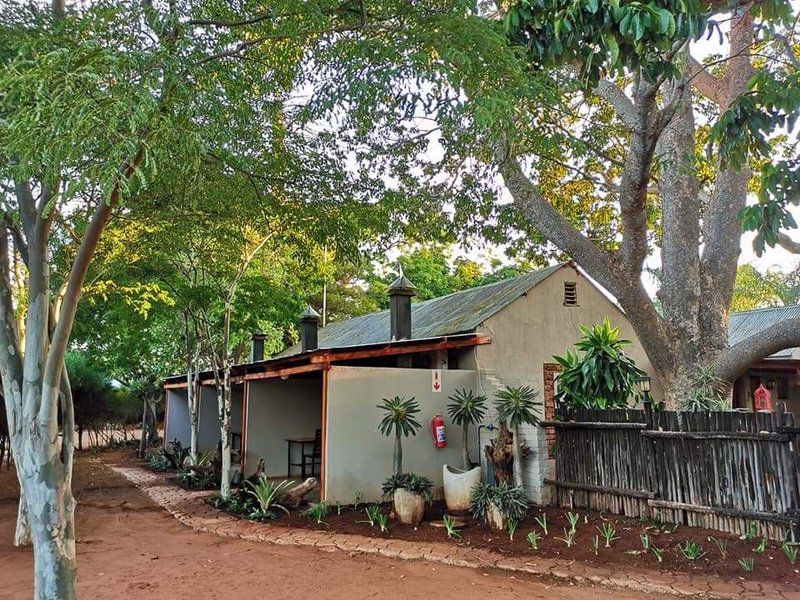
(746, 323)
(455, 313)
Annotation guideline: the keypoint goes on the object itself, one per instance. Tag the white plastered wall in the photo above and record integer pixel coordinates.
(358, 457)
(177, 426)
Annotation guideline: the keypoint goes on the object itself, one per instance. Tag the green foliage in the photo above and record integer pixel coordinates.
(596, 544)
(608, 533)
(569, 537)
(517, 406)
(373, 512)
(646, 541)
(692, 550)
(604, 377)
(511, 527)
(658, 553)
(410, 482)
(533, 539)
(267, 494)
(790, 550)
(316, 512)
(510, 501)
(722, 546)
(466, 407)
(572, 519)
(751, 531)
(747, 564)
(382, 520)
(762, 546)
(157, 460)
(707, 393)
(451, 526)
(400, 416)
(195, 478)
(541, 520)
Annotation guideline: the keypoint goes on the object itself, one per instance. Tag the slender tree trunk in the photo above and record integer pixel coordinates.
(465, 447)
(224, 404)
(143, 439)
(517, 446)
(398, 452)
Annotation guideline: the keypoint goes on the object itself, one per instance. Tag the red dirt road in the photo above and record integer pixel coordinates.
(129, 548)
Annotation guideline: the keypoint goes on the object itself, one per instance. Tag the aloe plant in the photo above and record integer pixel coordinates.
(267, 493)
(316, 512)
(466, 409)
(692, 550)
(533, 539)
(608, 533)
(451, 526)
(569, 537)
(541, 520)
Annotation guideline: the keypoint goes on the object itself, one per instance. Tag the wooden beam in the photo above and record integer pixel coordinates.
(719, 435)
(603, 489)
(175, 386)
(394, 350)
(731, 512)
(592, 425)
(286, 372)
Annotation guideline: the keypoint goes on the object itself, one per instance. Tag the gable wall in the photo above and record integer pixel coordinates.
(526, 335)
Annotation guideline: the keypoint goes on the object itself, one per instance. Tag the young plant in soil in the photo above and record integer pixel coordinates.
(722, 546)
(541, 521)
(762, 546)
(373, 512)
(747, 564)
(357, 500)
(267, 493)
(569, 537)
(659, 553)
(451, 527)
(317, 512)
(790, 550)
(608, 533)
(692, 550)
(752, 529)
(572, 519)
(646, 542)
(512, 528)
(596, 544)
(533, 540)
(382, 520)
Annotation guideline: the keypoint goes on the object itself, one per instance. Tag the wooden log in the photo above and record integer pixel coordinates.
(732, 512)
(604, 489)
(292, 497)
(719, 435)
(592, 425)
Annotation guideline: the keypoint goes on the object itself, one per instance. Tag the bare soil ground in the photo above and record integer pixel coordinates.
(129, 548)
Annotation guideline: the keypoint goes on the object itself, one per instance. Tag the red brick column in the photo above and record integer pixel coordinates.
(549, 372)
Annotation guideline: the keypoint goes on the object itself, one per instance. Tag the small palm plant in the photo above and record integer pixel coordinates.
(466, 408)
(517, 406)
(399, 418)
(267, 494)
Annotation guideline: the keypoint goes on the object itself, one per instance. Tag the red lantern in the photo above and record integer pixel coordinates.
(763, 398)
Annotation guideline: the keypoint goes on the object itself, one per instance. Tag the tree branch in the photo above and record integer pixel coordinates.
(619, 100)
(735, 360)
(704, 82)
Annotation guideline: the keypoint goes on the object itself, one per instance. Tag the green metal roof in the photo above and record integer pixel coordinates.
(749, 322)
(460, 312)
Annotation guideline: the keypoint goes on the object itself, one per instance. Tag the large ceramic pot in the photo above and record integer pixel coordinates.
(458, 486)
(409, 507)
(495, 517)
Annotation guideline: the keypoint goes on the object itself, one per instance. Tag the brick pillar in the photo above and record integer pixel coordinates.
(549, 372)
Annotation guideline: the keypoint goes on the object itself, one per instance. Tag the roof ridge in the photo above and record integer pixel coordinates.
(764, 309)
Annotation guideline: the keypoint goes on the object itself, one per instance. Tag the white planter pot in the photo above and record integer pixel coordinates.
(496, 519)
(409, 507)
(458, 485)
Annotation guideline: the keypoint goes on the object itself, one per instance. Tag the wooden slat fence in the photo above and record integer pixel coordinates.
(718, 470)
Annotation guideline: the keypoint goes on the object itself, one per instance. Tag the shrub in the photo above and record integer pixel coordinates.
(408, 481)
(157, 460)
(316, 512)
(195, 478)
(707, 392)
(510, 501)
(266, 494)
(604, 377)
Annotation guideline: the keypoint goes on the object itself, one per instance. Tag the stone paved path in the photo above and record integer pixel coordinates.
(189, 508)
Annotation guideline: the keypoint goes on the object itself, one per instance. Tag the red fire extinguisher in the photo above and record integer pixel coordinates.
(437, 431)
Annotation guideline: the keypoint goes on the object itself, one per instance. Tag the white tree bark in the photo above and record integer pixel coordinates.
(517, 449)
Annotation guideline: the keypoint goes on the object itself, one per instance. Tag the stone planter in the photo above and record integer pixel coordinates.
(495, 517)
(409, 507)
(458, 485)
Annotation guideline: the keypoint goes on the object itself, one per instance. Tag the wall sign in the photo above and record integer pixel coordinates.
(436, 381)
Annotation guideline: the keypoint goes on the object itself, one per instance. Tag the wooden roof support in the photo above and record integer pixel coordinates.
(394, 350)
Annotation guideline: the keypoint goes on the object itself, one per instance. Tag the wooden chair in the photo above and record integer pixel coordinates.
(313, 458)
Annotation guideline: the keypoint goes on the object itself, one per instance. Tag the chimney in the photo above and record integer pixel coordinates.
(309, 325)
(400, 294)
(257, 346)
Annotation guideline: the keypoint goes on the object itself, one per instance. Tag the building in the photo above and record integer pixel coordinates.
(482, 339)
(779, 373)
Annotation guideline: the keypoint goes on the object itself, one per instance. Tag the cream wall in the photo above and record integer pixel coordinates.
(278, 409)
(359, 458)
(526, 335)
(208, 417)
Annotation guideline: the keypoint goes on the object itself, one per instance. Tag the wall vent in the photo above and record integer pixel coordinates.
(570, 293)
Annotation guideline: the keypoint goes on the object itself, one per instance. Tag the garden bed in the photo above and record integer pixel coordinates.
(625, 552)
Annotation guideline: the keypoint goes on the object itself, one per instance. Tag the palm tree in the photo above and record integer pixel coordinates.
(465, 409)
(517, 406)
(399, 418)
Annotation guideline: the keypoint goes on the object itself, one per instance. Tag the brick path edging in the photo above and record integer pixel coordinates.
(189, 508)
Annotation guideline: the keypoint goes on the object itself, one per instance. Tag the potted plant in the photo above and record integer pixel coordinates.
(465, 408)
(517, 406)
(496, 505)
(407, 493)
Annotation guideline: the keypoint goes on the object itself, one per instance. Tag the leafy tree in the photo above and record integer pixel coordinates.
(754, 290)
(400, 418)
(90, 393)
(517, 406)
(466, 408)
(603, 377)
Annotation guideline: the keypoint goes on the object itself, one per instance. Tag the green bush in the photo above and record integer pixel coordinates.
(157, 459)
(510, 501)
(408, 481)
(604, 377)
